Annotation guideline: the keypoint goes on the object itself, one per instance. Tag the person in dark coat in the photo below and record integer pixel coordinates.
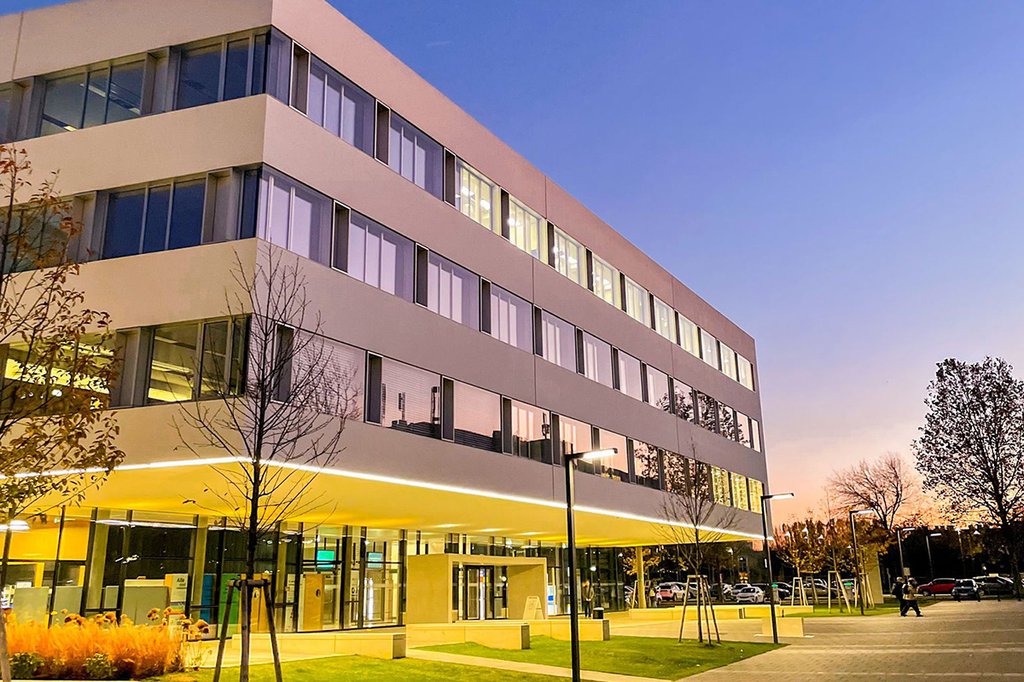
(897, 591)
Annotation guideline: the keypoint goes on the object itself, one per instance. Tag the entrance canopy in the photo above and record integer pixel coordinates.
(351, 497)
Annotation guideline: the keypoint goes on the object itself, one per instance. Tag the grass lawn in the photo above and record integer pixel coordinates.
(643, 656)
(364, 670)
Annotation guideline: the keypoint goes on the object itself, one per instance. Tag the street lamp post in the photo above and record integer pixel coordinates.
(765, 499)
(963, 559)
(928, 547)
(569, 460)
(859, 577)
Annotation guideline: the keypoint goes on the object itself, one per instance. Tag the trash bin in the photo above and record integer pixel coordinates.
(598, 613)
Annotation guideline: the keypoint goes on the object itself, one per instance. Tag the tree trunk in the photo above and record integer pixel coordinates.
(5, 659)
(252, 541)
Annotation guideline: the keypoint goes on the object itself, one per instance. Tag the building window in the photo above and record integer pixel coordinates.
(728, 361)
(415, 156)
(597, 360)
(613, 467)
(526, 229)
(155, 218)
(707, 412)
(477, 418)
(647, 464)
(229, 69)
(511, 319)
(410, 399)
(684, 405)
(558, 339)
(727, 421)
(689, 336)
(477, 197)
(657, 389)
(531, 431)
(756, 492)
(574, 436)
(453, 291)
(294, 217)
(340, 107)
(102, 94)
(637, 302)
(744, 372)
(664, 320)
(213, 351)
(570, 257)
(605, 280)
(743, 429)
(630, 376)
(7, 116)
(709, 349)
(740, 498)
(37, 377)
(720, 486)
(373, 254)
(755, 434)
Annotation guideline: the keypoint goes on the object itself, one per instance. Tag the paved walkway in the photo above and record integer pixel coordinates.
(953, 641)
(515, 666)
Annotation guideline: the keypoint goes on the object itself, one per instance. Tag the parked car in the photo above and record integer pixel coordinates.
(995, 585)
(750, 594)
(937, 586)
(730, 594)
(966, 589)
(671, 591)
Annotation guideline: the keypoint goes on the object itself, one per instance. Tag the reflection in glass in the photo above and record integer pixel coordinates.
(477, 418)
(657, 389)
(410, 399)
(375, 255)
(597, 360)
(630, 376)
(199, 76)
(173, 366)
(531, 430)
(647, 464)
(511, 319)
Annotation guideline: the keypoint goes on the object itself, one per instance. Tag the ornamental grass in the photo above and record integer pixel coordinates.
(97, 648)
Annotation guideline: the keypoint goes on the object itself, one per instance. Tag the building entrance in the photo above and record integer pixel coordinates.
(484, 592)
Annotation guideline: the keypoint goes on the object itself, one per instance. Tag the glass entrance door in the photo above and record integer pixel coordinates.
(484, 594)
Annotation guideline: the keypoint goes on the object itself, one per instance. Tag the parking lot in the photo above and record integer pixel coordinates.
(953, 641)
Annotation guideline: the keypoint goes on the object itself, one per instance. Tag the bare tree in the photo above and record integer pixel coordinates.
(801, 544)
(887, 486)
(694, 522)
(971, 448)
(280, 421)
(57, 437)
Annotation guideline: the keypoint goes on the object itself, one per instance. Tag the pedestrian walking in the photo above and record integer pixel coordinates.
(587, 595)
(897, 591)
(910, 596)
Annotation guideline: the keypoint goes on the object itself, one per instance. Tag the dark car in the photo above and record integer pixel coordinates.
(937, 586)
(995, 585)
(966, 589)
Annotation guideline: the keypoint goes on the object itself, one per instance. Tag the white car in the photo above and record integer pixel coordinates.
(748, 595)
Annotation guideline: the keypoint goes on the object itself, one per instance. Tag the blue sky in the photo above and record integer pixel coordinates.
(843, 180)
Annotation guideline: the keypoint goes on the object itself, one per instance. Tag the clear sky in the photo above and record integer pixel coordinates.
(843, 180)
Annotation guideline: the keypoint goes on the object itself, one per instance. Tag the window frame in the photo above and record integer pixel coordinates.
(560, 256)
(146, 187)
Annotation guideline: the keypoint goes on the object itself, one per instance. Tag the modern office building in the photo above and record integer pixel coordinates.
(490, 321)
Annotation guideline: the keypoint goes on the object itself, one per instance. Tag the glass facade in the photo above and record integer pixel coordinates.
(597, 360)
(558, 339)
(294, 217)
(511, 319)
(664, 319)
(605, 281)
(637, 302)
(340, 107)
(531, 432)
(410, 399)
(709, 349)
(527, 230)
(154, 218)
(375, 255)
(415, 156)
(658, 394)
(453, 291)
(630, 376)
(477, 418)
(570, 258)
(477, 197)
(101, 94)
(689, 336)
(229, 68)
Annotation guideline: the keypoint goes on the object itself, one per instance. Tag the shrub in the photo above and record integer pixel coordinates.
(97, 648)
(24, 665)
